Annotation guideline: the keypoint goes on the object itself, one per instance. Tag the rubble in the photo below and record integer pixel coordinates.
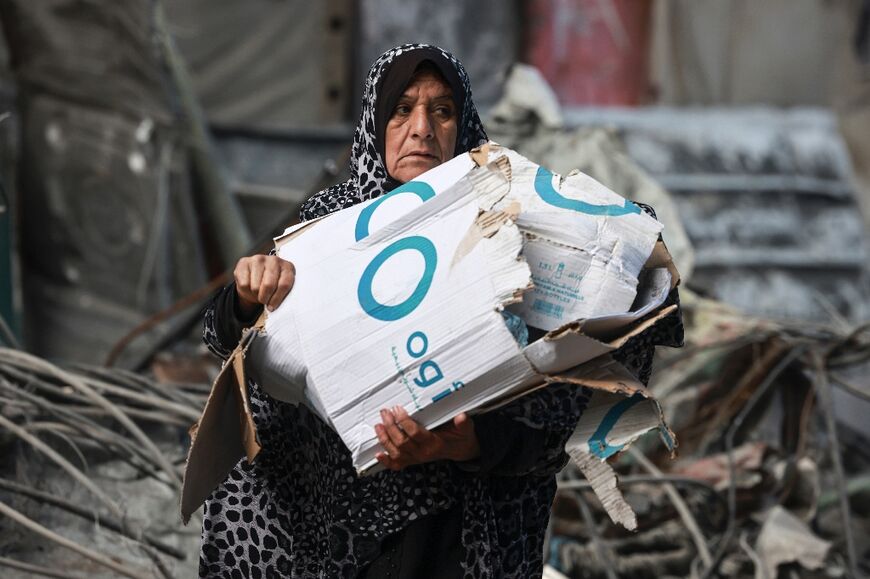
(750, 403)
(91, 462)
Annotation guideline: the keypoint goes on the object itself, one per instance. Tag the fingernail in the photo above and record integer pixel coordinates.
(383, 414)
(270, 308)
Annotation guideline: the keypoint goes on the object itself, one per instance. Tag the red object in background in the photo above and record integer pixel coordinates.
(592, 52)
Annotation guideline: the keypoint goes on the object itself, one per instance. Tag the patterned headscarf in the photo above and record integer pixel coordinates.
(368, 174)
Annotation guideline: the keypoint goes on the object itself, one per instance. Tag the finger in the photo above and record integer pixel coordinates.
(466, 445)
(256, 270)
(463, 423)
(410, 427)
(384, 439)
(388, 462)
(397, 436)
(285, 284)
(247, 301)
(268, 283)
(242, 273)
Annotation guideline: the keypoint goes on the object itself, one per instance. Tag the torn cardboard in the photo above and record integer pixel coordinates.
(348, 348)
(412, 320)
(225, 432)
(585, 244)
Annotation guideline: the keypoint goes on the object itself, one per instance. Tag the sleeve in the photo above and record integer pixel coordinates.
(637, 353)
(223, 322)
(528, 435)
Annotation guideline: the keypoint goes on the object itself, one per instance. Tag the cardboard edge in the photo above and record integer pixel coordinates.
(605, 484)
(578, 376)
(215, 434)
(576, 327)
(642, 325)
(247, 425)
(603, 374)
(295, 231)
(198, 476)
(480, 154)
(571, 335)
(485, 226)
(661, 257)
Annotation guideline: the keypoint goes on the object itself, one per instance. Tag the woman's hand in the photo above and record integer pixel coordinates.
(262, 280)
(407, 442)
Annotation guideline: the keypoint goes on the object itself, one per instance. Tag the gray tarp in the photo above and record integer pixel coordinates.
(267, 64)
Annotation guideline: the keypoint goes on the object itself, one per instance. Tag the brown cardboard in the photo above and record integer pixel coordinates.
(224, 433)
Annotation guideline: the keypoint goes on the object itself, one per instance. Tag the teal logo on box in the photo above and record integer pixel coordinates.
(422, 190)
(387, 313)
(417, 344)
(426, 248)
(545, 190)
(598, 444)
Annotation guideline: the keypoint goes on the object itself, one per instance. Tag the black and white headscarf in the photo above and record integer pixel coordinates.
(386, 80)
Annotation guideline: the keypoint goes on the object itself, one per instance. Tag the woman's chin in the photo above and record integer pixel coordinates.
(411, 169)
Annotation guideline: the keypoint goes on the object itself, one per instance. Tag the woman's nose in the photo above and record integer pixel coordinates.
(421, 125)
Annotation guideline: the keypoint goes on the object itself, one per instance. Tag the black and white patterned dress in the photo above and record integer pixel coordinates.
(300, 510)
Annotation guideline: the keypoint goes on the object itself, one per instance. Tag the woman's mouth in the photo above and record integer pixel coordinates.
(422, 154)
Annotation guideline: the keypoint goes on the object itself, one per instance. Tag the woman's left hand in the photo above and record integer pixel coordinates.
(407, 442)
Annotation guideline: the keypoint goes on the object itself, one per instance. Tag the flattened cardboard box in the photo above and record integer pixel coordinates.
(482, 277)
(397, 306)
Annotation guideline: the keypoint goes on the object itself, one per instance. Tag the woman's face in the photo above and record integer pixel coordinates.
(421, 133)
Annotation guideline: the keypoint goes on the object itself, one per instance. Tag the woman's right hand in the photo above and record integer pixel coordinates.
(262, 280)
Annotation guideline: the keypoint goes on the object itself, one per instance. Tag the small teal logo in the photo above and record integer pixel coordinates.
(387, 313)
(424, 344)
(546, 191)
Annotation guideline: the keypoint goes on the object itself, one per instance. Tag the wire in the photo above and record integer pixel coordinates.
(757, 396)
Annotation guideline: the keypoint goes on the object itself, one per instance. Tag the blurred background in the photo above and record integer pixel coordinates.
(145, 146)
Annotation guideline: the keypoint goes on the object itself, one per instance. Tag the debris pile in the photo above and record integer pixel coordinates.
(767, 481)
(91, 463)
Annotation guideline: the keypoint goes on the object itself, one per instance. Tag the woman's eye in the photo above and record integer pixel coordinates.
(402, 110)
(444, 112)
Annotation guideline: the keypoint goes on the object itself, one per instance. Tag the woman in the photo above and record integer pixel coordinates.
(470, 499)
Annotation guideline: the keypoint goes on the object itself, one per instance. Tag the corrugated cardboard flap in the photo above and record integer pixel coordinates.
(602, 431)
(224, 433)
(661, 257)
